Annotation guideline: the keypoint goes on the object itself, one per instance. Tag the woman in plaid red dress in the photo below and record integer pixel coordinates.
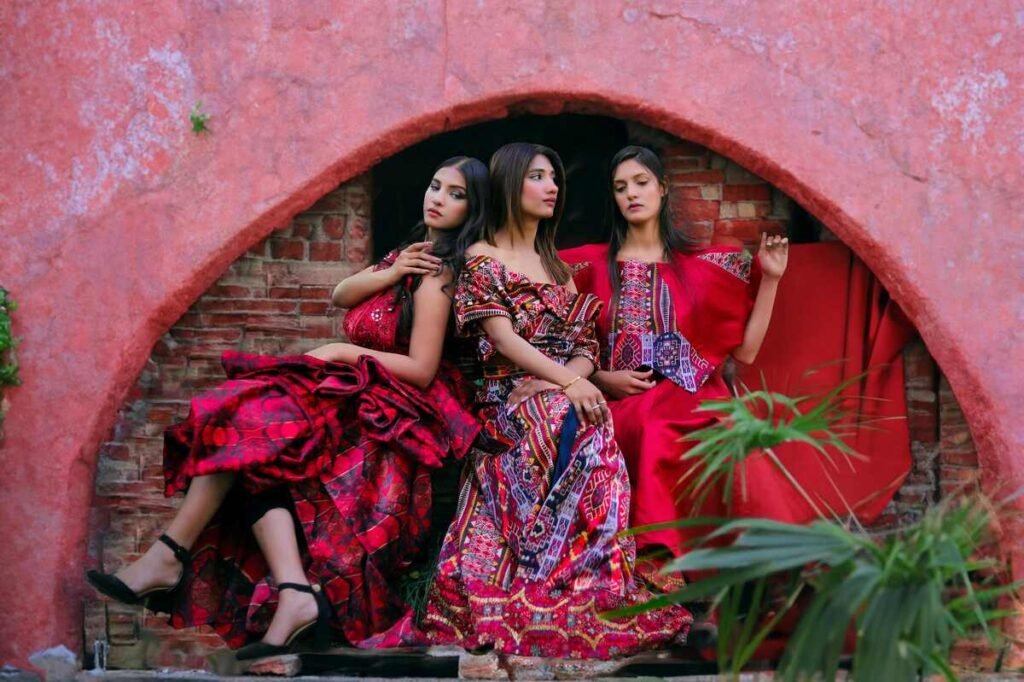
(307, 477)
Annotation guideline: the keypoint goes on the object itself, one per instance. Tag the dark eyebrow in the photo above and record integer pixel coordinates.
(453, 186)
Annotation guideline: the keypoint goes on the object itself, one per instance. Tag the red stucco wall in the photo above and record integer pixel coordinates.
(896, 123)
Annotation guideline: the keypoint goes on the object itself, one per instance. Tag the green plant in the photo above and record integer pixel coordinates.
(907, 596)
(199, 119)
(414, 584)
(755, 422)
(8, 366)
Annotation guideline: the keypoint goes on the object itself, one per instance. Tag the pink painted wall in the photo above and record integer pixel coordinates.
(896, 123)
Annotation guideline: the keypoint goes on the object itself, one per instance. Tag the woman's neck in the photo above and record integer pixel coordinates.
(518, 237)
(643, 239)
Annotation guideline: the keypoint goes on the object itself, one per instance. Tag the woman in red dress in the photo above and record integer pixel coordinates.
(673, 314)
(535, 554)
(307, 477)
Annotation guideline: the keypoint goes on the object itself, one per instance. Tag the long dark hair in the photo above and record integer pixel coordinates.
(450, 245)
(672, 240)
(509, 166)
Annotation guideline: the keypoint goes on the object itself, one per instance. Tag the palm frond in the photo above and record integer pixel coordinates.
(904, 598)
(759, 420)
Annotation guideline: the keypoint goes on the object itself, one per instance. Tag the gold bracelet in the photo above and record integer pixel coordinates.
(565, 387)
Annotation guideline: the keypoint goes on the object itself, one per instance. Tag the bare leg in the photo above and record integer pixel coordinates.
(275, 533)
(158, 567)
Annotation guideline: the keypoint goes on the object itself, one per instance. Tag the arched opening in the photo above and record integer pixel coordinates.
(273, 299)
(900, 163)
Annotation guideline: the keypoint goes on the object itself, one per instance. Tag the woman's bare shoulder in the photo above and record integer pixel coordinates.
(482, 248)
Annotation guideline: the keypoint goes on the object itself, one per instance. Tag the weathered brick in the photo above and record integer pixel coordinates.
(752, 209)
(689, 191)
(116, 452)
(356, 255)
(284, 292)
(225, 319)
(271, 323)
(288, 249)
(711, 192)
(703, 177)
(333, 227)
(303, 229)
(316, 293)
(358, 232)
(232, 291)
(325, 251)
(677, 164)
(747, 192)
(247, 305)
(689, 210)
(314, 308)
(332, 201)
(316, 327)
(259, 249)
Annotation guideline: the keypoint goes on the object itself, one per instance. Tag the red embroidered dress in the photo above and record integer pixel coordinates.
(529, 562)
(353, 445)
(682, 318)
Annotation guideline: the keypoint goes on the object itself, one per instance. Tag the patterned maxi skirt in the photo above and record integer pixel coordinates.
(535, 555)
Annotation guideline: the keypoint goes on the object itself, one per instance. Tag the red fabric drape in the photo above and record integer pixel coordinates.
(833, 321)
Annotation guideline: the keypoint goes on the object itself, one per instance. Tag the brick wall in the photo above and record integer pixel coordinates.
(718, 199)
(274, 300)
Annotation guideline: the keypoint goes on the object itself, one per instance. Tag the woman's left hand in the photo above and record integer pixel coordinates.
(773, 255)
(527, 390)
(334, 352)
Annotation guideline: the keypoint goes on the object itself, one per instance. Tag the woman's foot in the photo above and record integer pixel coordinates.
(157, 568)
(153, 580)
(306, 612)
(294, 610)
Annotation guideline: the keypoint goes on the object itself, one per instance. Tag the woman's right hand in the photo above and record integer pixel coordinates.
(416, 259)
(591, 407)
(623, 382)
(527, 390)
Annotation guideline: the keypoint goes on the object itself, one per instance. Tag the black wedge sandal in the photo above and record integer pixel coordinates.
(157, 598)
(319, 629)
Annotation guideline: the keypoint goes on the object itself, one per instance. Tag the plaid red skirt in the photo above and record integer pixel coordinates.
(353, 446)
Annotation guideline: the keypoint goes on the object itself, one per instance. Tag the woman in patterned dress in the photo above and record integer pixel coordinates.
(534, 555)
(335, 444)
(673, 314)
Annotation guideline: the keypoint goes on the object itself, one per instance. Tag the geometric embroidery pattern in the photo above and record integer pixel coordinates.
(736, 263)
(644, 330)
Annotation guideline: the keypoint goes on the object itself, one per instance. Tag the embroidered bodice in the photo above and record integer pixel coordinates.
(551, 317)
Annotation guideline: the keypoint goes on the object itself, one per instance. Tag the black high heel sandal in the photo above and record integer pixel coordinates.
(157, 598)
(319, 629)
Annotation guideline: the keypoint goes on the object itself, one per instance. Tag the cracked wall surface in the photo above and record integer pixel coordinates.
(896, 123)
